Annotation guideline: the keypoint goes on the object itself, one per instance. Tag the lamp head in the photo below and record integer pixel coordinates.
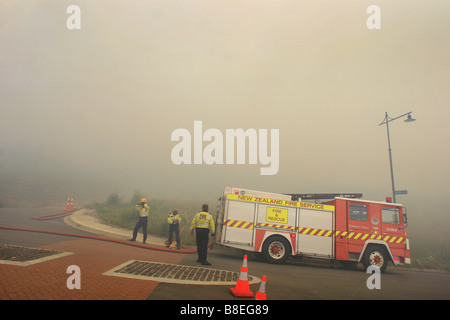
(410, 119)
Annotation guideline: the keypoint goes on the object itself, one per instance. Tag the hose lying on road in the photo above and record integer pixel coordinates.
(66, 213)
(189, 250)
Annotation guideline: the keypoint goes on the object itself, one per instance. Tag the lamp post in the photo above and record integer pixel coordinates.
(386, 121)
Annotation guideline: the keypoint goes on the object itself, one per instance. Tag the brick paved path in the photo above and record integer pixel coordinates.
(47, 280)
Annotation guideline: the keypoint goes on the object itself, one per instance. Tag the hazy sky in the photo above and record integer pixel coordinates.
(103, 101)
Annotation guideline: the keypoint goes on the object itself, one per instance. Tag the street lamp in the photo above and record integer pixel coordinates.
(386, 121)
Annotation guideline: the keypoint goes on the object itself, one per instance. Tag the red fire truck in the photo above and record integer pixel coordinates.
(346, 228)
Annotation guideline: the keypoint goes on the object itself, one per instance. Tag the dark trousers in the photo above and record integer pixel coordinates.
(174, 228)
(202, 236)
(142, 222)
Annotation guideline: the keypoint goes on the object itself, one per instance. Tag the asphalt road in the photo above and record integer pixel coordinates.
(308, 279)
(22, 218)
(298, 279)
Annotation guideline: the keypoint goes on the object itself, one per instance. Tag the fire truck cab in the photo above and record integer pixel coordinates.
(345, 229)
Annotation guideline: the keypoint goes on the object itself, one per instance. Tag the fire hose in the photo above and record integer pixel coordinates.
(66, 213)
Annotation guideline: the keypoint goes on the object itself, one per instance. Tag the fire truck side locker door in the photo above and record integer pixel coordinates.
(314, 225)
(238, 214)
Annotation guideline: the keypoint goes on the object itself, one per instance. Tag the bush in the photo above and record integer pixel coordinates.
(112, 200)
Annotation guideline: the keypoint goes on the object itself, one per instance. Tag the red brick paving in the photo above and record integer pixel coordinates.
(47, 280)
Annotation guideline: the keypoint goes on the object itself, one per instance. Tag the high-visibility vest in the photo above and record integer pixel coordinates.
(143, 211)
(203, 220)
(174, 218)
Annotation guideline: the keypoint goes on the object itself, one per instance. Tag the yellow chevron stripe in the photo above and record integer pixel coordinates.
(244, 226)
(317, 232)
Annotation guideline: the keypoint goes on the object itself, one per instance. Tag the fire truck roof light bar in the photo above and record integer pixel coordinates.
(317, 196)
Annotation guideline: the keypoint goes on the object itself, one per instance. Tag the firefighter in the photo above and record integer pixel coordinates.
(203, 223)
(143, 208)
(174, 220)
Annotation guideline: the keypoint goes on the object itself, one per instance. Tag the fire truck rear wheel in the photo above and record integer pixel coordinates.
(276, 249)
(375, 256)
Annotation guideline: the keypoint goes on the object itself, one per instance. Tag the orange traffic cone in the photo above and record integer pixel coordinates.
(261, 294)
(68, 205)
(242, 288)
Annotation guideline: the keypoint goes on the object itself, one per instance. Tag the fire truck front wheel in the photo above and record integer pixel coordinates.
(375, 256)
(276, 249)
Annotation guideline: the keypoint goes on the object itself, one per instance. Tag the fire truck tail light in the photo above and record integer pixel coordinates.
(399, 260)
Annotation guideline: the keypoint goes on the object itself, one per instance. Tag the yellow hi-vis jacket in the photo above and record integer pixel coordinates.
(174, 218)
(143, 211)
(203, 220)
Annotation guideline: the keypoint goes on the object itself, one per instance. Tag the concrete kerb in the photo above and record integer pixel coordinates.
(87, 220)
